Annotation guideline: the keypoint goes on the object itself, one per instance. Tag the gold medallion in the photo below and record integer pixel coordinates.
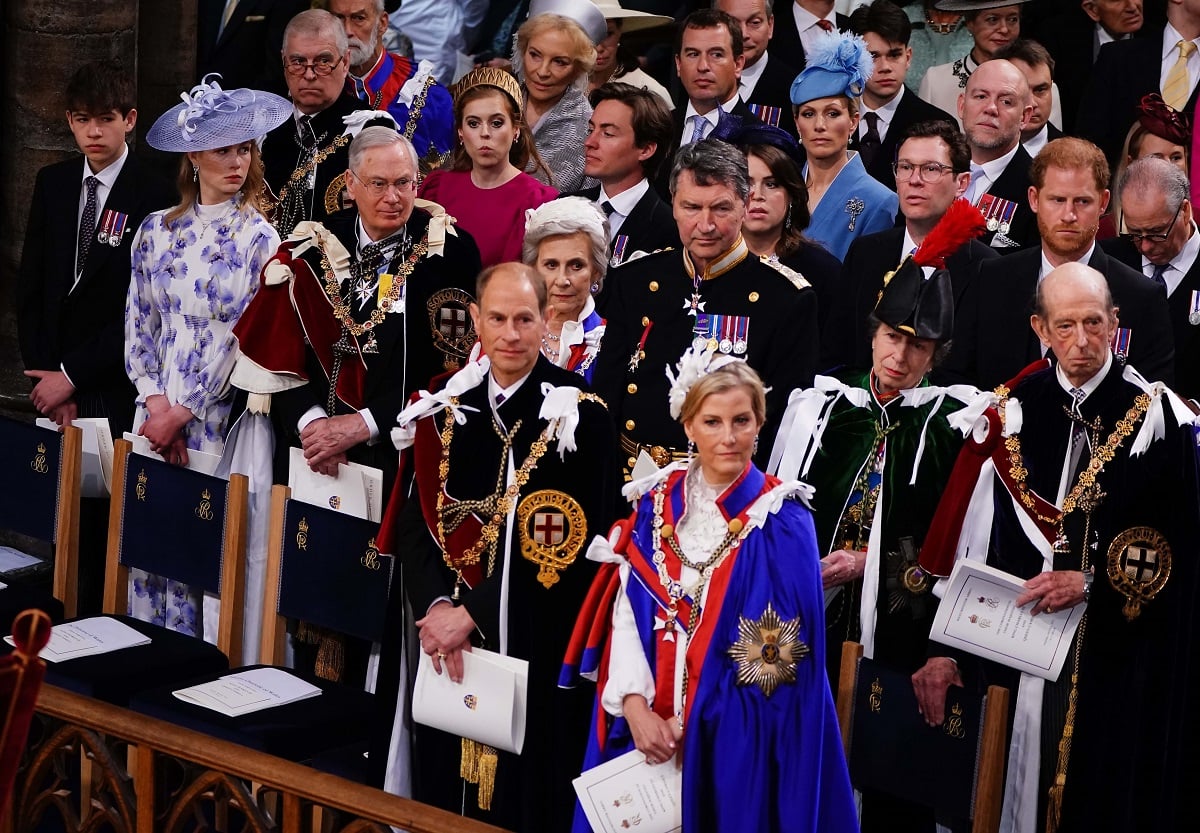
(1139, 564)
(450, 324)
(552, 528)
(767, 651)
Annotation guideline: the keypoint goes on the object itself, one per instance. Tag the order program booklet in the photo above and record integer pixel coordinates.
(88, 637)
(248, 691)
(627, 793)
(979, 614)
(488, 706)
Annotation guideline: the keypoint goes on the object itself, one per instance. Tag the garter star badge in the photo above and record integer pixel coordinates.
(552, 528)
(767, 651)
(1139, 564)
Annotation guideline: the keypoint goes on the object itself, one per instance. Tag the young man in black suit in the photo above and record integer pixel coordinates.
(801, 21)
(933, 160)
(1068, 191)
(1162, 243)
(766, 81)
(74, 278)
(1035, 63)
(888, 107)
(629, 134)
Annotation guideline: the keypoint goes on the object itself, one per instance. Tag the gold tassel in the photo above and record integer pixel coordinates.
(1054, 805)
(331, 655)
(486, 770)
(468, 768)
(1055, 796)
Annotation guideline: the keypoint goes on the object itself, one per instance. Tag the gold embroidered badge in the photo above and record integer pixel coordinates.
(553, 529)
(767, 651)
(1139, 564)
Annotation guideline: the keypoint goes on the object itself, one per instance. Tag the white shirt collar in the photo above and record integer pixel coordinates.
(886, 114)
(572, 331)
(1170, 43)
(1039, 140)
(1047, 268)
(993, 169)
(1180, 264)
(750, 76)
(109, 175)
(624, 202)
(711, 116)
(495, 390)
(806, 20)
(1090, 385)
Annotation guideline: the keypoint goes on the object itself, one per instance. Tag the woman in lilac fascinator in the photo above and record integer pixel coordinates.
(845, 201)
(195, 267)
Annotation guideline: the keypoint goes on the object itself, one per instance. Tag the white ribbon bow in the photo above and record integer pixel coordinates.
(428, 404)
(357, 120)
(560, 408)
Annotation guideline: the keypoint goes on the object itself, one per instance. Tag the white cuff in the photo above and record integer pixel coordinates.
(311, 415)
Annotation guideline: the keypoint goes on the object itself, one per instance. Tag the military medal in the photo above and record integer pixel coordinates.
(726, 343)
(112, 227)
(987, 205)
(1120, 342)
(854, 207)
(618, 250)
(742, 333)
(766, 113)
(1194, 314)
(1009, 208)
(639, 352)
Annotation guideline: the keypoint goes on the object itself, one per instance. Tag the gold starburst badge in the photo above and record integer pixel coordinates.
(767, 651)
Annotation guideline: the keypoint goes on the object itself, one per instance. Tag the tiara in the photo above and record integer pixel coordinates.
(490, 77)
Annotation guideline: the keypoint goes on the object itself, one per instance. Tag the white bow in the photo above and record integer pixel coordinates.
(916, 397)
(560, 408)
(428, 404)
(357, 120)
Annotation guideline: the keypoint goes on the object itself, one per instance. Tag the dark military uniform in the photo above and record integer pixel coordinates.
(751, 310)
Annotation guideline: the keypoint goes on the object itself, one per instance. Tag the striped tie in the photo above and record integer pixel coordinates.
(1176, 88)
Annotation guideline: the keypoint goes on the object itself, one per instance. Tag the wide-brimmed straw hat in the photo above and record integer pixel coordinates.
(631, 19)
(211, 118)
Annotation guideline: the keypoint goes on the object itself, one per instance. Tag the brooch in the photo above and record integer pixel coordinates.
(767, 651)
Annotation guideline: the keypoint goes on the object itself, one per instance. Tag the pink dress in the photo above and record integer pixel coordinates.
(495, 217)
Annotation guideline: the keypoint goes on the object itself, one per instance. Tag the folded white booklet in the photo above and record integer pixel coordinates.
(88, 637)
(356, 490)
(248, 691)
(979, 614)
(204, 462)
(627, 793)
(487, 706)
(96, 479)
(12, 560)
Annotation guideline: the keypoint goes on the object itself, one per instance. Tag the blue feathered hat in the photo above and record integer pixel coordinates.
(838, 64)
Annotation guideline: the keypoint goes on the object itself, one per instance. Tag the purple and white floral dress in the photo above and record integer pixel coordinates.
(191, 281)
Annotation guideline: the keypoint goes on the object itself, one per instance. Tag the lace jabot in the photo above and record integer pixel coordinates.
(702, 527)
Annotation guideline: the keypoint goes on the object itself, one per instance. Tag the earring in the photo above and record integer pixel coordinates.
(787, 220)
(755, 451)
(595, 288)
(691, 450)
(195, 173)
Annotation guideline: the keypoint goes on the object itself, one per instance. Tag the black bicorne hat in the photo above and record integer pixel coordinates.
(916, 305)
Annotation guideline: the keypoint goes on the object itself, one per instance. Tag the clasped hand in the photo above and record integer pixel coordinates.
(445, 633)
(654, 737)
(164, 428)
(1053, 590)
(326, 440)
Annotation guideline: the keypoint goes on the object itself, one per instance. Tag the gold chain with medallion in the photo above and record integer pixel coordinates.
(341, 310)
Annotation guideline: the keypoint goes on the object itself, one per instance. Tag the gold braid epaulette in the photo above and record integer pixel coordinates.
(1087, 477)
(304, 170)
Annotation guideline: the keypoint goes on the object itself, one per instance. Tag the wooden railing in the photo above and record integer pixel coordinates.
(94, 766)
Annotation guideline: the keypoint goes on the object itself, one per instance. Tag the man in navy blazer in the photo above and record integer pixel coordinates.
(74, 277)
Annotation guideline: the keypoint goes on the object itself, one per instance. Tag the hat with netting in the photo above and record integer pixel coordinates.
(211, 118)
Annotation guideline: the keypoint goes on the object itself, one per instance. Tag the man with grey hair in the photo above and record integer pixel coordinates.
(713, 292)
(1161, 242)
(356, 314)
(304, 159)
(388, 81)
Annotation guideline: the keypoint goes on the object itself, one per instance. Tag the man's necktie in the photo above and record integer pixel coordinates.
(87, 223)
(973, 192)
(868, 145)
(1079, 440)
(826, 25)
(308, 138)
(608, 208)
(500, 398)
(700, 124)
(1176, 88)
(1158, 278)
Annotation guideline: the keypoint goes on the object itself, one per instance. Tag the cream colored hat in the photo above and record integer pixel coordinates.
(631, 19)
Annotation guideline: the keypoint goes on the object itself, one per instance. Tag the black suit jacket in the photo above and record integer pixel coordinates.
(649, 227)
(774, 89)
(1124, 72)
(82, 329)
(1069, 37)
(785, 42)
(994, 341)
(845, 338)
(1013, 184)
(911, 110)
(1187, 335)
(247, 52)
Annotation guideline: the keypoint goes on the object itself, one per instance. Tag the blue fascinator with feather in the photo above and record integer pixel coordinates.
(839, 64)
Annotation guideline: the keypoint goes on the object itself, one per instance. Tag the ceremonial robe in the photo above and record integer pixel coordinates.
(565, 501)
(420, 105)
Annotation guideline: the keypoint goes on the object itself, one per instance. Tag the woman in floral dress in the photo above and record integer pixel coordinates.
(195, 267)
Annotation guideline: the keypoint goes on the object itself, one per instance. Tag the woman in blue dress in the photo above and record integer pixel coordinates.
(195, 267)
(844, 200)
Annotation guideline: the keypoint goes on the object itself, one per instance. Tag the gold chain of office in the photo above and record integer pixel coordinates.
(341, 310)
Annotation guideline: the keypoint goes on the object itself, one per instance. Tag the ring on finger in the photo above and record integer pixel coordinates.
(441, 655)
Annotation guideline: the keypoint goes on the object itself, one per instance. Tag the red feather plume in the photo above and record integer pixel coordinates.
(961, 222)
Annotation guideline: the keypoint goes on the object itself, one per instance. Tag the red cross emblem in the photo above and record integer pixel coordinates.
(549, 528)
(452, 322)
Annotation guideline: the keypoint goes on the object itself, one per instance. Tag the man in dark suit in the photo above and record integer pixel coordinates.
(1162, 244)
(994, 108)
(1035, 63)
(74, 279)
(1069, 192)
(766, 81)
(1129, 69)
(241, 39)
(628, 137)
(1074, 37)
(888, 107)
(75, 263)
(799, 23)
(934, 160)
(708, 59)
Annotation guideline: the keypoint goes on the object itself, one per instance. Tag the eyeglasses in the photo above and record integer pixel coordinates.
(322, 65)
(930, 171)
(378, 187)
(1154, 237)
